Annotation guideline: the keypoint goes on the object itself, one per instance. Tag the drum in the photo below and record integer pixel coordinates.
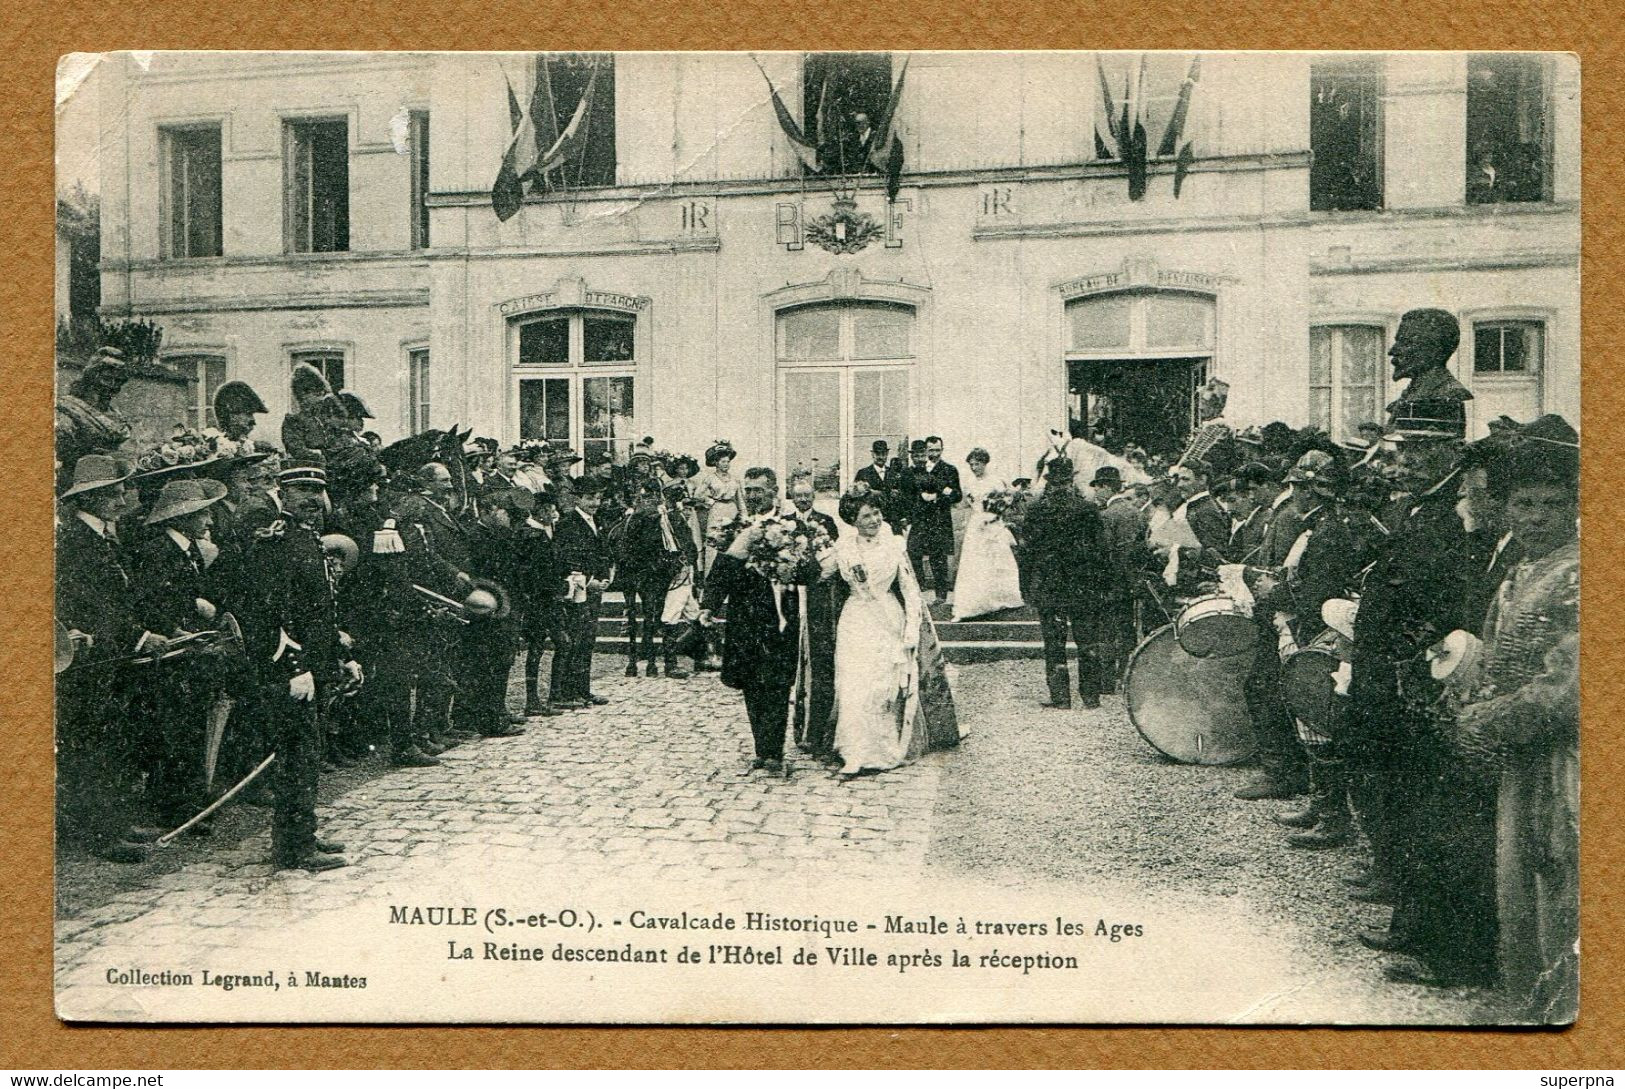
(1308, 683)
(1216, 625)
(1189, 709)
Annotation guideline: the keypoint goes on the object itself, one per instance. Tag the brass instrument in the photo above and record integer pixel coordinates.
(441, 606)
(1208, 436)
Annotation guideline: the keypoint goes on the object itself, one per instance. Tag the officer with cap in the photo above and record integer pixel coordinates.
(301, 659)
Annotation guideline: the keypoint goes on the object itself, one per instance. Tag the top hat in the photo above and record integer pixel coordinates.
(183, 497)
(95, 471)
(1107, 474)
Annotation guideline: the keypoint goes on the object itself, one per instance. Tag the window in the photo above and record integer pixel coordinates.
(190, 166)
(563, 79)
(1147, 85)
(330, 363)
(418, 145)
(845, 374)
(417, 390)
(576, 372)
(203, 374)
(1345, 377)
(1345, 135)
(1506, 128)
(316, 188)
(1142, 322)
(843, 96)
(1508, 358)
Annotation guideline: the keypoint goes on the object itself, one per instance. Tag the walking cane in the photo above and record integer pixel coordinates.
(164, 840)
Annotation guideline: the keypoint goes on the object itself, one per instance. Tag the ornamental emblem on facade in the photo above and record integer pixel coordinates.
(845, 229)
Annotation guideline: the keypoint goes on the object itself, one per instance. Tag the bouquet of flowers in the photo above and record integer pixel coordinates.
(787, 551)
(1002, 502)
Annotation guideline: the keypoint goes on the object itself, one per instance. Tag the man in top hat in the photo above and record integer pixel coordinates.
(539, 592)
(933, 492)
(881, 477)
(425, 520)
(1122, 528)
(1061, 536)
(86, 421)
(301, 660)
(1430, 821)
(235, 406)
(98, 780)
(176, 595)
(1423, 344)
(585, 555)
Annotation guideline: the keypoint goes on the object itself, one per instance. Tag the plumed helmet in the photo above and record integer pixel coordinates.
(354, 407)
(309, 382)
(234, 397)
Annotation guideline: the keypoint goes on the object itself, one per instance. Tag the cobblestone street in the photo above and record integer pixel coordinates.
(652, 791)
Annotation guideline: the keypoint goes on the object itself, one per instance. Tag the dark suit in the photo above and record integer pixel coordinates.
(1279, 753)
(931, 526)
(644, 569)
(582, 550)
(1210, 524)
(175, 695)
(97, 777)
(884, 486)
(1123, 528)
(758, 651)
(814, 725)
(441, 545)
(539, 596)
(294, 597)
(1062, 538)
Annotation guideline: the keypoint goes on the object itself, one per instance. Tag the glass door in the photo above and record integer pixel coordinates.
(831, 416)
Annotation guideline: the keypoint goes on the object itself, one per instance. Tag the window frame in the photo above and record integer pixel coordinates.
(167, 134)
(1139, 345)
(1342, 65)
(1467, 356)
(418, 134)
(1543, 66)
(577, 371)
(186, 362)
(291, 129)
(1384, 326)
(296, 354)
(417, 400)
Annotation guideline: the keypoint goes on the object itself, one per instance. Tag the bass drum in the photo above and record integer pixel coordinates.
(1190, 709)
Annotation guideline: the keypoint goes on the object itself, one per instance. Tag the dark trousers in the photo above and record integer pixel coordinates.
(297, 728)
(815, 726)
(582, 620)
(436, 687)
(1116, 638)
(1276, 739)
(645, 601)
(175, 710)
(486, 659)
(767, 705)
(933, 546)
(548, 626)
(1083, 620)
(1444, 866)
(97, 782)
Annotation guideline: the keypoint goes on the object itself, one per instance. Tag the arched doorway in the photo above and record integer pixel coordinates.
(1134, 360)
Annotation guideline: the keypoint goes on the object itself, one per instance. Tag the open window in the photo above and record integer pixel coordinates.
(1508, 157)
(191, 190)
(844, 96)
(316, 157)
(1345, 135)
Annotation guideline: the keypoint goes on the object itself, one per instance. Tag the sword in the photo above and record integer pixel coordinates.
(165, 839)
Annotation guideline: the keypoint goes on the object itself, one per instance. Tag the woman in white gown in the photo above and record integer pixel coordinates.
(988, 579)
(893, 701)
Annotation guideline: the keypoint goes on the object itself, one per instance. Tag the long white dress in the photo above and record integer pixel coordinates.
(988, 579)
(875, 653)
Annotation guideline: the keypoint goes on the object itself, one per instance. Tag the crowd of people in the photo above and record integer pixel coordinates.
(226, 607)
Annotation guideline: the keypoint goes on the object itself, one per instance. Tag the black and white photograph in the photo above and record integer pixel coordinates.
(818, 537)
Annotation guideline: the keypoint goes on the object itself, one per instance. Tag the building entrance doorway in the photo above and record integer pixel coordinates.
(1150, 403)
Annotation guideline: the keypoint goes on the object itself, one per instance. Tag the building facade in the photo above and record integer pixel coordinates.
(684, 275)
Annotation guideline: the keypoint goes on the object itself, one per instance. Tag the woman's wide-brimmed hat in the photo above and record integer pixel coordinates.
(183, 497)
(718, 450)
(95, 471)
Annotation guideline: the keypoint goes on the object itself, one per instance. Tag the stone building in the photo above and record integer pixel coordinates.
(684, 275)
